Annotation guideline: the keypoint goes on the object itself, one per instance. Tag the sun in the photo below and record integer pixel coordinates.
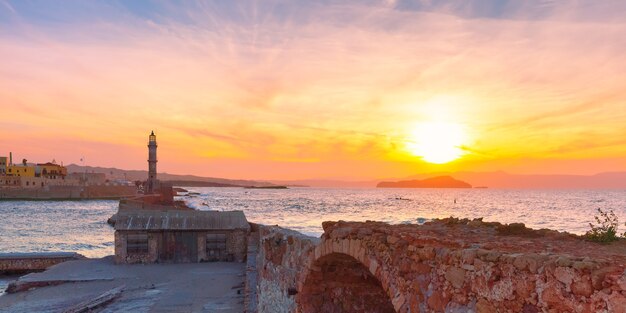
(437, 142)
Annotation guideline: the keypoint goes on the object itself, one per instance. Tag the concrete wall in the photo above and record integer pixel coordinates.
(451, 266)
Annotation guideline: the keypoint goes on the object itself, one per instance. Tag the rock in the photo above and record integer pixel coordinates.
(427, 253)
(484, 306)
(617, 303)
(492, 256)
(529, 308)
(468, 256)
(621, 282)
(582, 288)
(392, 239)
(597, 276)
(584, 265)
(552, 296)
(456, 276)
(437, 302)
(564, 275)
(564, 261)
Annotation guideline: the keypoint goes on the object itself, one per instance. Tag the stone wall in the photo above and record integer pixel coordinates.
(17, 263)
(450, 265)
(69, 192)
(121, 255)
(236, 245)
(280, 260)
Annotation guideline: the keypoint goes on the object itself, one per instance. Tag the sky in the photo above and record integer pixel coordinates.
(316, 89)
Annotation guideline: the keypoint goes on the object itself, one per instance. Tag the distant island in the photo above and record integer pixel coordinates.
(433, 182)
(266, 187)
(195, 183)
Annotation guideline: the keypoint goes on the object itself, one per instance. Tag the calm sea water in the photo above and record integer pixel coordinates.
(81, 226)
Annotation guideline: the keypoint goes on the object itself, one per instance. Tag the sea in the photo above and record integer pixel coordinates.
(80, 226)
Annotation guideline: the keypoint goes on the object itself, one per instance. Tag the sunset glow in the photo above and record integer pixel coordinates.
(437, 142)
(308, 89)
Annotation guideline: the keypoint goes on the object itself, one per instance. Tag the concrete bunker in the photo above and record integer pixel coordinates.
(338, 283)
(180, 236)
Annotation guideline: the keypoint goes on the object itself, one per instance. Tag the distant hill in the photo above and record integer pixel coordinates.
(191, 183)
(183, 180)
(433, 182)
(326, 183)
(499, 179)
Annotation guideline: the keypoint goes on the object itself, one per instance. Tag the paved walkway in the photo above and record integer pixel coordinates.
(198, 287)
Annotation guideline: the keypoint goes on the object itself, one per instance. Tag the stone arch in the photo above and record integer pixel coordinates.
(342, 276)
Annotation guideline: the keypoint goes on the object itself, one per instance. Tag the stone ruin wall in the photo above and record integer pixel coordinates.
(451, 266)
(279, 262)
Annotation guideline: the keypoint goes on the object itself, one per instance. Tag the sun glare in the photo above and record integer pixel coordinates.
(437, 142)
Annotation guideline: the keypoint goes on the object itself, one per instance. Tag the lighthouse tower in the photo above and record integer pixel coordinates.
(152, 164)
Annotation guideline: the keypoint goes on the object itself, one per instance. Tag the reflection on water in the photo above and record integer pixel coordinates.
(39, 226)
(304, 209)
(81, 225)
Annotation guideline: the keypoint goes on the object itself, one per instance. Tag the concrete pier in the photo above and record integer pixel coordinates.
(191, 287)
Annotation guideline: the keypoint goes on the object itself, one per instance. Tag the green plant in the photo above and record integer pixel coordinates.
(606, 229)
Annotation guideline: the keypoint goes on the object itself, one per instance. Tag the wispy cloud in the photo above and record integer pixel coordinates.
(316, 80)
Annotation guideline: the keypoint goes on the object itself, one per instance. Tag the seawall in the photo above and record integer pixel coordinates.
(17, 263)
(68, 192)
(445, 266)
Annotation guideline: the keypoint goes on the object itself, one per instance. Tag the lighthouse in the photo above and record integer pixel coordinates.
(152, 164)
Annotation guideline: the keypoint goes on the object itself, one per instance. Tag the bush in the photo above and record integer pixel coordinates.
(606, 229)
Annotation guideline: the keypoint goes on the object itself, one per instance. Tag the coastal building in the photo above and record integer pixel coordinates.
(50, 170)
(3, 165)
(87, 179)
(176, 236)
(24, 170)
(35, 182)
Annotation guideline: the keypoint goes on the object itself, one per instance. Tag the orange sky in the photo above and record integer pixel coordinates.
(301, 89)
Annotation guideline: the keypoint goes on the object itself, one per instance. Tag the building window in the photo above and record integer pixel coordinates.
(137, 243)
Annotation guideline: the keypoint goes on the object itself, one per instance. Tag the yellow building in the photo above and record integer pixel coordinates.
(51, 170)
(21, 170)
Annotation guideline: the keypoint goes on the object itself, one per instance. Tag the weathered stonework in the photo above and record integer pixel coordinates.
(279, 264)
(121, 255)
(236, 245)
(17, 263)
(450, 265)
